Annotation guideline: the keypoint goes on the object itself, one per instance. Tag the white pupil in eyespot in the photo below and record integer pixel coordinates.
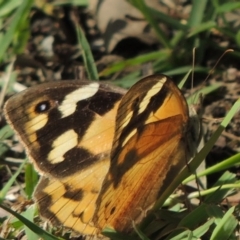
(42, 107)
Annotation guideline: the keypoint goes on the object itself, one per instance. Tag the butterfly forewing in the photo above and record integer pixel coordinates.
(67, 128)
(148, 149)
(61, 123)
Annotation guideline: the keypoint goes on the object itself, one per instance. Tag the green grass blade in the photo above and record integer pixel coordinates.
(29, 214)
(141, 6)
(194, 218)
(128, 80)
(164, 18)
(195, 234)
(121, 65)
(208, 146)
(185, 70)
(225, 227)
(228, 7)
(204, 91)
(6, 7)
(33, 227)
(81, 3)
(215, 194)
(223, 165)
(87, 54)
(31, 179)
(18, 17)
(223, 187)
(204, 27)
(197, 13)
(216, 212)
(10, 182)
(182, 82)
(6, 132)
(112, 234)
(140, 234)
(200, 231)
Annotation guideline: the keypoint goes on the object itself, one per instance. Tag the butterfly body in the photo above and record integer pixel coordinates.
(105, 155)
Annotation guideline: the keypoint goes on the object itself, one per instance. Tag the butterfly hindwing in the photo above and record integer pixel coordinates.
(148, 149)
(71, 201)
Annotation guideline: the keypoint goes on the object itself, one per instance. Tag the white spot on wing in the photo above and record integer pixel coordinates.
(69, 103)
(61, 145)
(126, 120)
(131, 134)
(155, 89)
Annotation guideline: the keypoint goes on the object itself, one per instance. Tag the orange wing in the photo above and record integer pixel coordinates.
(149, 149)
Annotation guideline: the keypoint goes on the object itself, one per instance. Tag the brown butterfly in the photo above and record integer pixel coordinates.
(105, 156)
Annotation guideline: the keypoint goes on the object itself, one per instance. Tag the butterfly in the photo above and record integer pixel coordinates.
(104, 154)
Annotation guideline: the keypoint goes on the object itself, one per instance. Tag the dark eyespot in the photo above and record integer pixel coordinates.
(43, 107)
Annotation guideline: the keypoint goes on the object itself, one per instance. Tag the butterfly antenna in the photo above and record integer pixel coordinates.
(192, 74)
(219, 59)
(193, 66)
(210, 72)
